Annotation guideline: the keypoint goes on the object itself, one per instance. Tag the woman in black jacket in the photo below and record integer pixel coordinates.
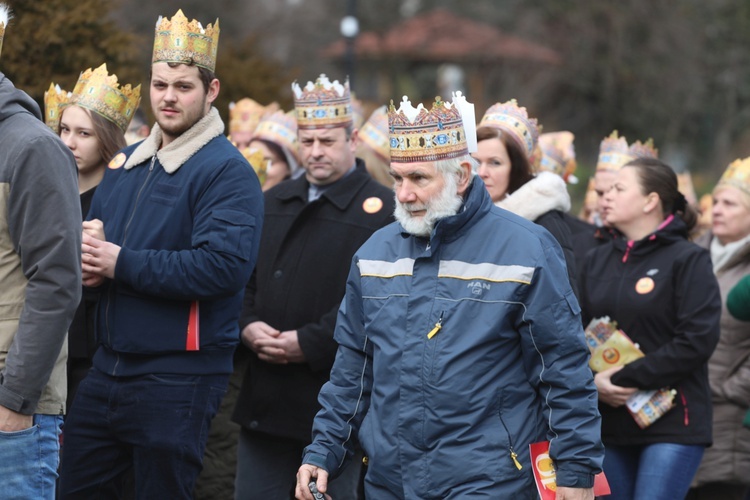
(661, 290)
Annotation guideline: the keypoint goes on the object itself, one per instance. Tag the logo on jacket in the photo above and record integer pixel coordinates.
(118, 161)
(477, 287)
(652, 272)
(644, 285)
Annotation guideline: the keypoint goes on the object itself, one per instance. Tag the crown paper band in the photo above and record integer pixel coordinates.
(54, 100)
(280, 128)
(245, 114)
(417, 135)
(558, 153)
(98, 91)
(374, 133)
(179, 41)
(737, 174)
(515, 121)
(322, 104)
(614, 152)
(5, 16)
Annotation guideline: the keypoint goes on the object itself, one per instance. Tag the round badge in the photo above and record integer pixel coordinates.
(372, 205)
(118, 161)
(644, 285)
(611, 355)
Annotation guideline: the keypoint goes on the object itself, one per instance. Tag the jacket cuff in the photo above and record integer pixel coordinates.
(13, 401)
(317, 460)
(574, 477)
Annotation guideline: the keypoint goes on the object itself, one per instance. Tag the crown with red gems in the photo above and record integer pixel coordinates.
(54, 100)
(614, 152)
(515, 121)
(179, 41)
(558, 153)
(737, 174)
(280, 128)
(445, 131)
(374, 133)
(98, 91)
(323, 104)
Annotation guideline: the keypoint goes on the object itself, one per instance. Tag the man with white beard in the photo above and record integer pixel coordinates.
(460, 340)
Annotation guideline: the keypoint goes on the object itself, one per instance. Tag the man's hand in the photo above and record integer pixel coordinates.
(94, 228)
(254, 335)
(91, 279)
(609, 393)
(566, 493)
(99, 257)
(11, 421)
(285, 345)
(305, 475)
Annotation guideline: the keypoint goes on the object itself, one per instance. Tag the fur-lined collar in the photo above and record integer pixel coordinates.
(541, 194)
(180, 150)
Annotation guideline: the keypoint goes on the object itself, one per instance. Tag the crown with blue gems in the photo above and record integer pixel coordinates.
(374, 133)
(323, 104)
(280, 128)
(737, 174)
(446, 131)
(5, 16)
(98, 91)
(515, 121)
(558, 153)
(614, 152)
(54, 100)
(179, 41)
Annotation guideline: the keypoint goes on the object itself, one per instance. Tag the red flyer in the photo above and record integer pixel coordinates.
(544, 473)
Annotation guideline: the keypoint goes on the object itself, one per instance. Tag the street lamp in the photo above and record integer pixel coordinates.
(349, 30)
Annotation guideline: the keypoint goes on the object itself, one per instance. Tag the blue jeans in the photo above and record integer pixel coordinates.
(656, 471)
(29, 459)
(152, 426)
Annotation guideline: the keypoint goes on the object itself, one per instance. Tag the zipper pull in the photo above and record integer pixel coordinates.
(514, 456)
(153, 160)
(438, 326)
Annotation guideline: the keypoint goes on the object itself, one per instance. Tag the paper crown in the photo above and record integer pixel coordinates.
(358, 112)
(446, 131)
(4, 18)
(737, 174)
(374, 133)
(515, 121)
(558, 153)
(98, 91)
(255, 158)
(179, 41)
(280, 128)
(614, 152)
(322, 104)
(245, 114)
(54, 99)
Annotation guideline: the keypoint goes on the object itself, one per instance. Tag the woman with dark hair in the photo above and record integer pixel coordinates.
(507, 150)
(661, 291)
(94, 131)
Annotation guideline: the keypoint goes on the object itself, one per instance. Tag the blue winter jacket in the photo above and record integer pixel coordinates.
(189, 243)
(449, 416)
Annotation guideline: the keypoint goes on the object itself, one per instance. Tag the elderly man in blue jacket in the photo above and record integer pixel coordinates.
(460, 340)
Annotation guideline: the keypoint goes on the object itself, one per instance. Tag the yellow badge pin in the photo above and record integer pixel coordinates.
(644, 285)
(118, 161)
(372, 205)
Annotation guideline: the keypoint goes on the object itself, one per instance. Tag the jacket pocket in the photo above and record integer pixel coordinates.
(510, 463)
(232, 232)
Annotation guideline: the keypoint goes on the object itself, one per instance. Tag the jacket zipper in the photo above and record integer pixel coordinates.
(684, 408)
(513, 454)
(124, 237)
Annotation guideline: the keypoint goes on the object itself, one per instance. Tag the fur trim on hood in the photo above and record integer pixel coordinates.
(545, 192)
(180, 150)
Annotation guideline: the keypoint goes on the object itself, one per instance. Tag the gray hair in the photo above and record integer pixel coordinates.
(453, 165)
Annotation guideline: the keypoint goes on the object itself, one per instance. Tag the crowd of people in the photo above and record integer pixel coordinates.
(307, 304)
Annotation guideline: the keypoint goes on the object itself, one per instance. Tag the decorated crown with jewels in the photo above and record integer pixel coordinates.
(614, 152)
(445, 131)
(280, 128)
(737, 174)
(179, 41)
(98, 91)
(54, 100)
(515, 121)
(323, 104)
(374, 133)
(245, 114)
(558, 153)
(5, 16)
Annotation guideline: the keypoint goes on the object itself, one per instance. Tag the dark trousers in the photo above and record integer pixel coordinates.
(153, 426)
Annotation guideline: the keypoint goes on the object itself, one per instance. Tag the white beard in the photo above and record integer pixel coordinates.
(445, 205)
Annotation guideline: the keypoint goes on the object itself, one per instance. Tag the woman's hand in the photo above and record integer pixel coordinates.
(609, 393)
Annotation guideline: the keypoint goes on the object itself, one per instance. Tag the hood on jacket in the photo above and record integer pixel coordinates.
(14, 101)
(543, 193)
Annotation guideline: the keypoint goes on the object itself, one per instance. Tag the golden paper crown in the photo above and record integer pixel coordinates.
(180, 41)
(515, 121)
(280, 128)
(54, 100)
(98, 91)
(558, 153)
(322, 104)
(5, 16)
(737, 174)
(255, 158)
(358, 112)
(614, 152)
(374, 133)
(418, 135)
(245, 114)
